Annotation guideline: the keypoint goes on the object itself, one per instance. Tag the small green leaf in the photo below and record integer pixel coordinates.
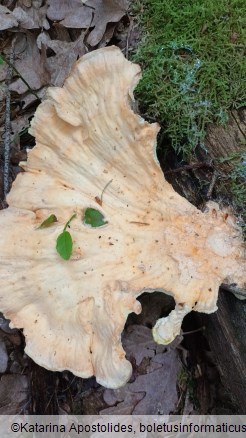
(1, 60)
(64, 245)
(94, 218)
(47, 222)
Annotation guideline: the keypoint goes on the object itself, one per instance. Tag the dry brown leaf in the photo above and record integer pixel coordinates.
(3, 72)
(72, 13)
(158, 385)
(108, 35)
(59, 32)
(25, 21)
(66, 54)
(7, 19)
(13, 394)
(151, 393)
(33, 17)
(42, 39)
(30, 66)
(123, 399)
(19, 124)
(139, 343)
(58, 9)
(29, 99)
(106, 11)
(27, 3)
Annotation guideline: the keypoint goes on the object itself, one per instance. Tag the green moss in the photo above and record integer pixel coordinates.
(194, 68)
(235, 184)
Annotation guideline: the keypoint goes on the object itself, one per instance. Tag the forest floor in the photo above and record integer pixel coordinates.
(39, 42)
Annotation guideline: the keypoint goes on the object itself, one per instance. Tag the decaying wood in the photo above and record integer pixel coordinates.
(43, 388)
(226, 335)
(226, 327)
(222, 142)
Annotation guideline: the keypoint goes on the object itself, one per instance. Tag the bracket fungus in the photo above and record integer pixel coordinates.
(73, 311)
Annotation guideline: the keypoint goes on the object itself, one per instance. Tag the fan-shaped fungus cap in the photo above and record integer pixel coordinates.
(73, 312)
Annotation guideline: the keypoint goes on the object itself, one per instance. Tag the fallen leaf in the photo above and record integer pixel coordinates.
(124, 400)
(13, 394)
(19, 124)
(72, 13)
(7, 19)
(29, 99)
(160, 386)
(33, 17)
(24, 20)
(30, 65)
(108, 35)
(139, 343)
(3, 71)
(27, 3)
(106, 11)
(47, 222)
(153, 392)
(42, 39)
(66, 54)
(64, 245)
(94, 218)
(61, 33)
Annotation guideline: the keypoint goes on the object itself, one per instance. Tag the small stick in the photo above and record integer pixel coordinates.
(99, 200)
(7, 130)
(201, 329)
(128, 37)
(105, 189)
(212, 184)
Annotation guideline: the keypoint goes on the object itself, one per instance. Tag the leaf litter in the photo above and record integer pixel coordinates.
(7, 19)
(159, 371)
(29, 64)
(105, 11)
(70, 13)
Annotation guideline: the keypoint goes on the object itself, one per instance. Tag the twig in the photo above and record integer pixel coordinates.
(7, 130)
(10, 64)
(212, 184)
(189, 167)
(128, 37)
(201, 329)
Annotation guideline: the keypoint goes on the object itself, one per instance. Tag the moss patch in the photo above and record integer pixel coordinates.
(194, 68)
(235, 185)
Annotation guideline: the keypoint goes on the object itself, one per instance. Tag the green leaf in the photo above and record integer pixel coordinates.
(47, 222)
(94, 218)
(64, 245)
(1, 60)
